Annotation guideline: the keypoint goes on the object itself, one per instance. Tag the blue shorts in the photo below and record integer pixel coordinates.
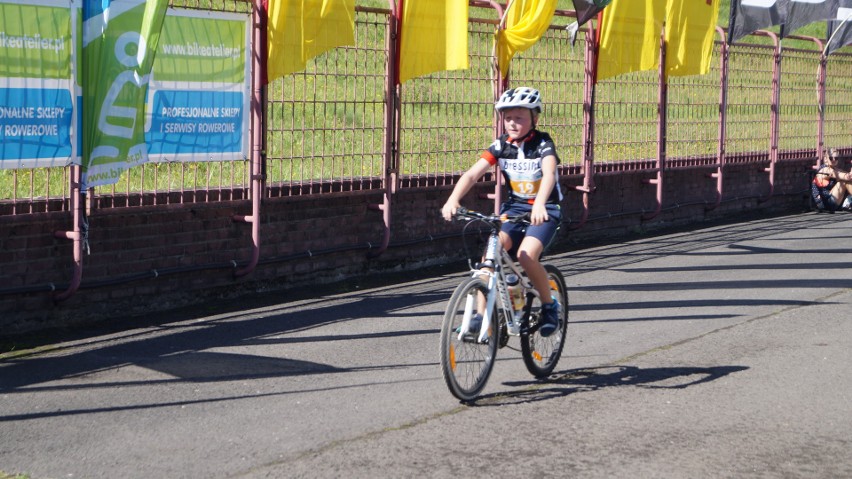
(544, 232)
(831, 203)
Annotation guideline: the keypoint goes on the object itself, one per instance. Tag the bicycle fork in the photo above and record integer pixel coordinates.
(471, 306)
(495, 287)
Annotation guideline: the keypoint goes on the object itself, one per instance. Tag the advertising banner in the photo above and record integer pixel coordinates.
(193, 105)
(198, 102)
(36, 101)
(119, 44)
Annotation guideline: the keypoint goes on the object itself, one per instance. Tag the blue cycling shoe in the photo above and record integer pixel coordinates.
(549, 318)
(475, 324)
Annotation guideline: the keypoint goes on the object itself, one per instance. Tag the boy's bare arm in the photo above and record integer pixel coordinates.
(839, 175)
(843, 176)
(464, 184)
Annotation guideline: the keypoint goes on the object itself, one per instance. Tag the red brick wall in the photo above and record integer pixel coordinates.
(145, 259)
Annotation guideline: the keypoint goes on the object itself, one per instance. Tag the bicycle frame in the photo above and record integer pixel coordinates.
(494, 266)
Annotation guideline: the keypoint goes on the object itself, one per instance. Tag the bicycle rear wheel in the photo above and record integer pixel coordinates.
(465, 362)
(541, 354)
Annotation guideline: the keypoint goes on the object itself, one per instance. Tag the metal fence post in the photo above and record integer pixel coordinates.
(823, 60)
(590, 73)
(662, 105)
(776, 103)
(390, 153)
(719, 175)
(78, 232)
(258, 129)
(501, 84)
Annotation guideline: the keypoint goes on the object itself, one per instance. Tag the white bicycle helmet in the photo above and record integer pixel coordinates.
(523, 97)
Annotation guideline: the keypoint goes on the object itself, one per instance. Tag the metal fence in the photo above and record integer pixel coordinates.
(749, 101)
(838, 103)
(338, 127)
(326, 124)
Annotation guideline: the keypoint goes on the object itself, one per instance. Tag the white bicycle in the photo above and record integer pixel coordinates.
(512, 308)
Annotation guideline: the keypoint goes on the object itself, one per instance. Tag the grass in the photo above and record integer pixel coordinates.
(4, 475)
(327, 122)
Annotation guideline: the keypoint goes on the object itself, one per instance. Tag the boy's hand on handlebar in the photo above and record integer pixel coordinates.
(449, 210)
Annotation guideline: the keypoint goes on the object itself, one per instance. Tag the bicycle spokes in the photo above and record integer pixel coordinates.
(466, 362)
(542, 353)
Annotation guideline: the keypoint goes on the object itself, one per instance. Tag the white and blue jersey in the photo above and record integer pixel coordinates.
(520, 164)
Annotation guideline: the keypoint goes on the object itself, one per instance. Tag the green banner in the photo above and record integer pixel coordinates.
(120, 39)
(35, 41)
(36, 103)
(202, 49)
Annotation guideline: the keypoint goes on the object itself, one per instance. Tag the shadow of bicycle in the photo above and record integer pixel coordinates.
(592, 379)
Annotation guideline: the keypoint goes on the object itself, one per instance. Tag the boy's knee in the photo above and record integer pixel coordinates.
(525, 257)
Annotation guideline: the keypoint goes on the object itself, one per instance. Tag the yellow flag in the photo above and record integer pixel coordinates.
(434, 37)
(631, 29)
(526, 22)
(299, 30)
(630, 36)
(690, 31)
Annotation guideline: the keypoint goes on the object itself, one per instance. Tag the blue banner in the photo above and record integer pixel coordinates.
(197, 123)
(35, 124)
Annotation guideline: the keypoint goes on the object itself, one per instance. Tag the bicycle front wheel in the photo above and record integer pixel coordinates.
(541, 354)
(466, 363)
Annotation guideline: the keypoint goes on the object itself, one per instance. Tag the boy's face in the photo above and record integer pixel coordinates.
(518, 122)
(830, 159)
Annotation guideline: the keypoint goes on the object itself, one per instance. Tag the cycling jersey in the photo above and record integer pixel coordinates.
(520, 163)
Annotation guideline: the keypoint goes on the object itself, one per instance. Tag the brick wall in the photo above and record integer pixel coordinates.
(151, 258)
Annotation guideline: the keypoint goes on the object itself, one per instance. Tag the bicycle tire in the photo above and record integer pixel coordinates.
(541, 354)
(465, 363)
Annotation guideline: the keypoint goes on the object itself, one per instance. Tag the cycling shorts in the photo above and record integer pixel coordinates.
(544, 232)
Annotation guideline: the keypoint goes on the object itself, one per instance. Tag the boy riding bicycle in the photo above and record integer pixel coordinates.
(527, 159)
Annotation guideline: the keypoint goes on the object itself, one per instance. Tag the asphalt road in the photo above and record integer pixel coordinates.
(722, 352)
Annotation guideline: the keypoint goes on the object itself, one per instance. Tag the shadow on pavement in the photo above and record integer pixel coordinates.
(592, 379)
(180, 350)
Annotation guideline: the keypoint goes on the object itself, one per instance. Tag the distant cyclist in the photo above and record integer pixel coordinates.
(832, 187)
(527, 159)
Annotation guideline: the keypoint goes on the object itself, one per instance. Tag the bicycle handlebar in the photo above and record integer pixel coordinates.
(462, 212)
